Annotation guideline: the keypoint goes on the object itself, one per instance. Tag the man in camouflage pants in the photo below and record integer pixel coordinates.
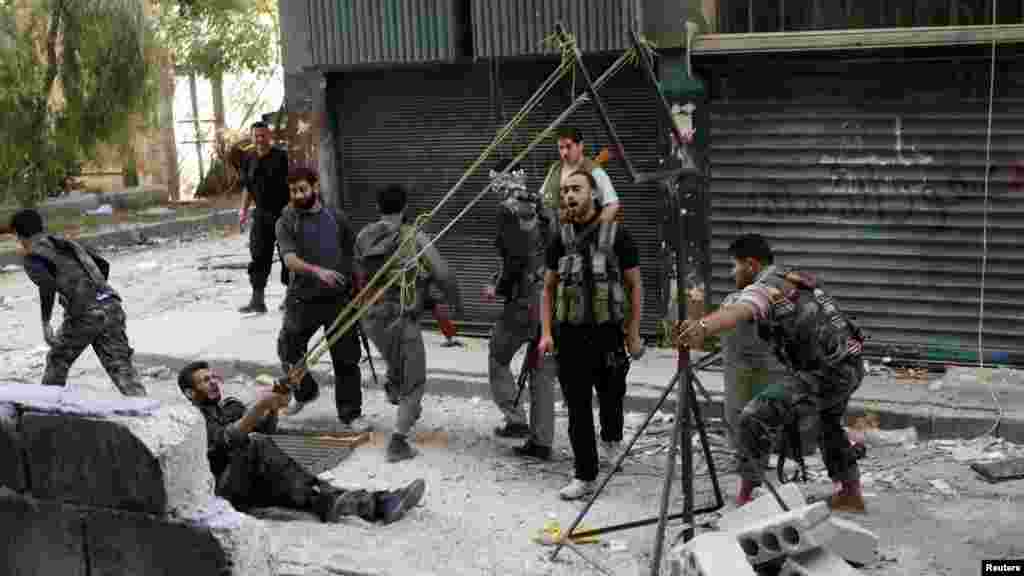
(92, 309)
(819, 345)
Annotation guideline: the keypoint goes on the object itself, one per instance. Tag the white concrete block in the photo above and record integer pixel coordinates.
(762, 507)
(786, 533)
(155, 464)
(710, 554)
(852, 542)
(817, 562)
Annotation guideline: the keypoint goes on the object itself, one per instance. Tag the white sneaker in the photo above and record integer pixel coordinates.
(609, 452)
(357, 424)
(576, 489)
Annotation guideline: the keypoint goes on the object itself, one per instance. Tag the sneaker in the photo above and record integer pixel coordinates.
(399, 449)
(576, 489)
(396, 503)
(512, 430)
(357, 425)
(609, 452)
(531, 450)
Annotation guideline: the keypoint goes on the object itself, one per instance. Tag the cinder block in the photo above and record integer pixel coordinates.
(12, 469)
(710, 554)
(786, 533)
(155, 464)
(852, 542)
(762, 507)
(39, 537)
(214, 540)
(817, 562)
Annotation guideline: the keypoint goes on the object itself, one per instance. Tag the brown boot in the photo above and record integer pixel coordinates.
(744, 493)
(848, 498)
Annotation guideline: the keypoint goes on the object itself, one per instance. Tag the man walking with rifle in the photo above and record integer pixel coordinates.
(522, 230)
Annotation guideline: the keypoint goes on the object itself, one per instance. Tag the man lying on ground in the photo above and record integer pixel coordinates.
(252, 472)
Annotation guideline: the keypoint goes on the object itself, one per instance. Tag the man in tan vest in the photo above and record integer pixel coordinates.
(570, 150)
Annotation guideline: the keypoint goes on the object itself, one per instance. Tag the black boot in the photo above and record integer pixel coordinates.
(256, 305)
(394, 504)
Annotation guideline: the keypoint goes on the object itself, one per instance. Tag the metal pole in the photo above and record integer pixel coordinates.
(603, 112)
(682, 431)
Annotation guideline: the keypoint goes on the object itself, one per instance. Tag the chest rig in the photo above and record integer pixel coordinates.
(382, 240)
(806, 328)
(590, 289)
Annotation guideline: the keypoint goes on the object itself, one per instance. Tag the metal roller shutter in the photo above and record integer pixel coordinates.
(631, 105)
(879, 187)
(423, 128)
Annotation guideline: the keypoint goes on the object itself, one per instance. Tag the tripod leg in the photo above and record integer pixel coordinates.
(670, 466)
(702, 431)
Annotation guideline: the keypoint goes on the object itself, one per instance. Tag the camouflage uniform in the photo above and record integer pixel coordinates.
(822, 349)
(523, 230)
(396, 331)
(93, 315)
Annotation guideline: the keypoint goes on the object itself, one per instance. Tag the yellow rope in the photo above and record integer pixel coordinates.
(363, 298)
(334, 332)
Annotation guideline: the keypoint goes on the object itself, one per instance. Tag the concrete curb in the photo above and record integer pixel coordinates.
(140, 233)
(932, 423)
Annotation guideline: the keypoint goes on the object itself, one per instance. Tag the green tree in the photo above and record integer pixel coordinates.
(72, 74)
(215, 37)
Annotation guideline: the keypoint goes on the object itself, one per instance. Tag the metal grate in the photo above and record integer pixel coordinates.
(318, 452)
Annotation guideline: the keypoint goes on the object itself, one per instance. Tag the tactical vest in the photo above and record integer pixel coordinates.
(80, 277)
(553, 182)
(806, 328)
(522, 268)
(377, 243)
(590, 288)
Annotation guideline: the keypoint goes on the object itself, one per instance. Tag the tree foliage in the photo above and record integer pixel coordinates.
(216, 37)
(72, 73)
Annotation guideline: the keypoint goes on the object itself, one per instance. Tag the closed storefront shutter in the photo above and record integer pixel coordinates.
(872, 174)
(631, 105)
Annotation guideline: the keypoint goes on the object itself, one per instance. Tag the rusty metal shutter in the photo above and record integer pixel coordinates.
(630, 102)
(879, 186)
(423, 128)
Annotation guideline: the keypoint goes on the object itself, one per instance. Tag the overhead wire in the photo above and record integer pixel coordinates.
(984, 232)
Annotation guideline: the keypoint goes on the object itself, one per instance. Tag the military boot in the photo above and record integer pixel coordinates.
(848, 498)
(399, 448)
(257, 305)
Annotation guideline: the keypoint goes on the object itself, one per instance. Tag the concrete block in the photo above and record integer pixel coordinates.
(71, 402)
(710, 554)
(40, 537)
(215, 539)
(155, 464)
(852, 542)
(786, 533)
(817, 562)
(762, 507)
(12, 471)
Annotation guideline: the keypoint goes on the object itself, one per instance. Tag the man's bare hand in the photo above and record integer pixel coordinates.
(490, 293)
(330, 278)
(688, 334)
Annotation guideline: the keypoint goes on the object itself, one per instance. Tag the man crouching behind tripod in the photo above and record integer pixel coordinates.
(591, 266)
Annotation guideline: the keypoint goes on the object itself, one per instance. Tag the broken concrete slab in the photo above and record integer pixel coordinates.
(786, 533)
(155, 464)
(762, 507)
(215, 539)
(710, 554)
(817, 562)
(39, 538)
(12, 472)
(59, 400)
(852, 542)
